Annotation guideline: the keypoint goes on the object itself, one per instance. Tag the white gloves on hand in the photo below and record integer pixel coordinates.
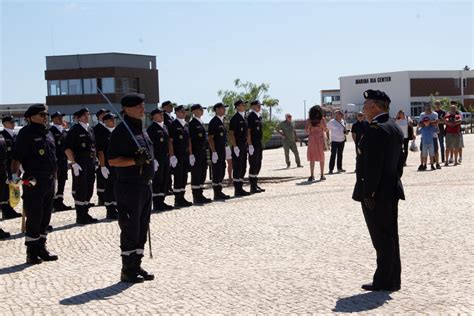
(192, 160)
(155, 165)
(214, 157)
(236, 151)
(251, 150)
(76, 169)
(105, 172)
(173, 161)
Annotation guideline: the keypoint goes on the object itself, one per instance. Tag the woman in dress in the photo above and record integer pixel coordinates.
(406, 125)
(315, 128)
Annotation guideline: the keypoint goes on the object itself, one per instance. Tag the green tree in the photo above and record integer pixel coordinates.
(249, 91)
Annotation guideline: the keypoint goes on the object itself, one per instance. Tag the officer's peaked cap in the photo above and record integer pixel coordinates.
(101, 111)
(197, 106)
(7, 118)
(34, 109)
(219, 105)
(376, 95)
(57, 114)
(81, 112)
(180, 108)
(156, 111)
(108, 116)
(166, 103)
(255, 102)
(132, 99)
(239, 102)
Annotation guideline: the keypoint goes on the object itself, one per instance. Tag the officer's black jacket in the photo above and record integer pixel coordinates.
(180, 137)
(81, 141)
(59, 139)
(159, 137)
(3, 156)
(9, 142)
(102, 143)
(122, 145)
(256, 129)
(35, 150)
(380, 162)
(218, 130)
(101, 134)
(238, 125)
(198, 136)
(167, 119)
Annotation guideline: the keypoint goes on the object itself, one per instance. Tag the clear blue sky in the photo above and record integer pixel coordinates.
(298, 48)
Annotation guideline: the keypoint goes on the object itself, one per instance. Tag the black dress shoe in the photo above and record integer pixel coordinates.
(112, 214)
(67, 207)
(46, 255)
(146, 276)
(242, 192)
(9, 214)
(131, 277)
(86, 220)
(33, 260)
(49, 228)
(371, 287)
(260, 189)
(4, 234)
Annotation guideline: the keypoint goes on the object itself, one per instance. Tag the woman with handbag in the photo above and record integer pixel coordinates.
(406, 125)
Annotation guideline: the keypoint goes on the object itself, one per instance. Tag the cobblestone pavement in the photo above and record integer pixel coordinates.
(297, 248)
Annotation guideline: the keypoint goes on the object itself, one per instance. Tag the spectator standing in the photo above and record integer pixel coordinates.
(441, 133)
(358, 129)
(287, 130)
(433, 116)
(337, 128)
(406, 125)
(315, 128)
(427, 144)
(453, 134)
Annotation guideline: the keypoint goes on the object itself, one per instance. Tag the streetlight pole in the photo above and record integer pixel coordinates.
(304, 106)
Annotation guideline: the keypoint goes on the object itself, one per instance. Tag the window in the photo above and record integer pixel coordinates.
(126, 85)
(75, 86)
(108, 85)
(90, 85)
(53, 87)
(64, 87)
(416, 108)
(336, 98)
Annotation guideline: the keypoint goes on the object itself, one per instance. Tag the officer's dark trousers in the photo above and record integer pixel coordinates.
(382, 223)
(62, 178)
(336, 151)
(239, 166)
(109, 190)
(100, 185)
(160, 182)
(181, 175)
(83, 185)
(255, 164)
(4, 193)
(405, 149)
(199, 171)
(38, 204)
(134, 208)
(218, 170)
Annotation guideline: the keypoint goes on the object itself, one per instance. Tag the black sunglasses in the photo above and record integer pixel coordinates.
(43, 114)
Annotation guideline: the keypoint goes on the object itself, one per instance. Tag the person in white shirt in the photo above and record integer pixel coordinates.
(337, 135)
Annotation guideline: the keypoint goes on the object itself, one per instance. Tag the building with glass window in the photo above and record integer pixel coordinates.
(72, 81)
(409, 90)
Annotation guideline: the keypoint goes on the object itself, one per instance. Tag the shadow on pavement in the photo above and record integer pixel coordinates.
(361, 302)
(98, 294)
(13, 269)
(306, 182)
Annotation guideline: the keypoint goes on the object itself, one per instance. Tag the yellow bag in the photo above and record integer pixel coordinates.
(14, 194)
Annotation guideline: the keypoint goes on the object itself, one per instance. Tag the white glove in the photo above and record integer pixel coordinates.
(173, 161)
(76, 169)
(214, 157)
(236, 151)
(155, 165)
(192, 160)
(105, 172)
(251, 150)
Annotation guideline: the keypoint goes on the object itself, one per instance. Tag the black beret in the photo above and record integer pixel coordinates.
(166, 103)
(34, 110)
(376, 95)
(81, 112)
(179, 108)
(197, 106)
(57, 114)
(156, 111)
(239, 102)
(219, 105)
(101, 111)
(8, 118)
(132, 99)
(108, 116)
(255, 102)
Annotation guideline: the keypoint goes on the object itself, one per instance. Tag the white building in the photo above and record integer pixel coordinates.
(409, 90)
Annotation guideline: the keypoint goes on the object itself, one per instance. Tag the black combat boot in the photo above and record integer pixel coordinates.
(146, 276)
(8, 212)
(239, 191)
(83, 217)
(43, 252)
(204, 199)
(4, 234)
(32, 253)
(111, 212)
(218, 195)
(129, 271)
(197, 199)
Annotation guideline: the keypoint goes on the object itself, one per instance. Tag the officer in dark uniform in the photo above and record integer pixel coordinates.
(158, 133)
(379, 188)
(59, 134)
(3, 159)
(106, 170)
(167, 108)
(254, 139)
(34, 150)
(9, 136)
(198, 154)
(218, 144)
(179, 146)
(238, 138)
(132, 157)
(81, 152)
(100, 132)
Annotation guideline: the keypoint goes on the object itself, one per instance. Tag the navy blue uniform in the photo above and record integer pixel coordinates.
(159, 136)
(238, 125)
(35, 150)
(7, 210)
(219, 132)
(379, 169)
(100, 132)
(102, 142)
(179, 136)
(81, 142)
(3, 157)
(199, 146)
(255, 161)
(59, 140)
